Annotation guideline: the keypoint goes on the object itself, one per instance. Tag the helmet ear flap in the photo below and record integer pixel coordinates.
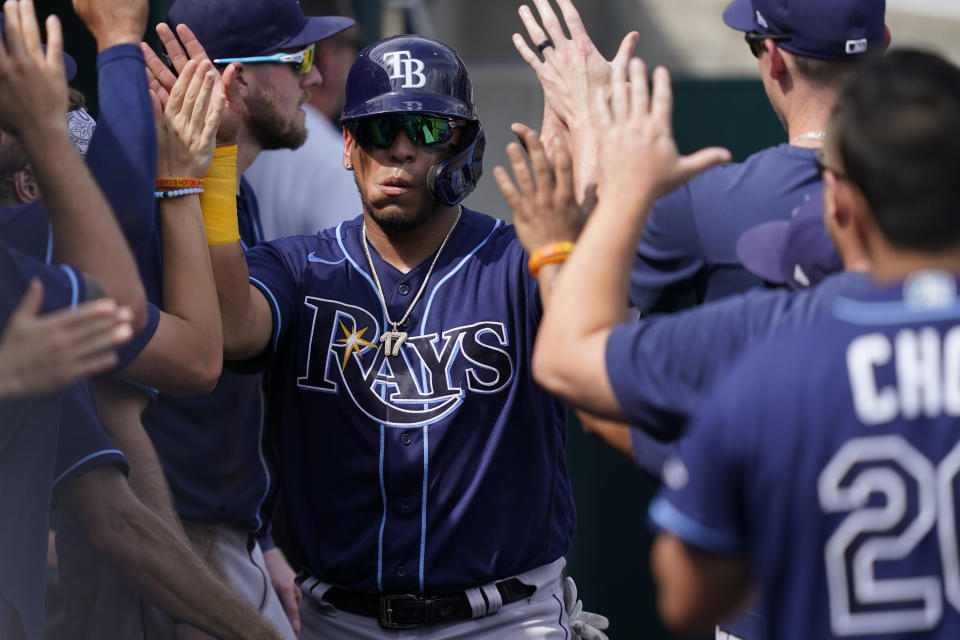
(451, 181)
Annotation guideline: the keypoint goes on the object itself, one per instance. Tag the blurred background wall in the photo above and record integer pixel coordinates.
(718, 101)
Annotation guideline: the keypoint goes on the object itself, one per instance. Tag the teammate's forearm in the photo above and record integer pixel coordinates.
(120, 407)
(159, 562)
(123, 150)
(586, 162)
(246, 324)
(587, 300)
(85, 232)
(188, 355)
(615, 434)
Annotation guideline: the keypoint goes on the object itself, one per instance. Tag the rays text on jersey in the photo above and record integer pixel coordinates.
(424, 382)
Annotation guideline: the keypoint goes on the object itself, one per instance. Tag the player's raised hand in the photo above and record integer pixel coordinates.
(572, 69)
(33, 85)
(639, 160)
(162, 79)
(113, 22)
(544, 206)
(187, 126)
(42, 353)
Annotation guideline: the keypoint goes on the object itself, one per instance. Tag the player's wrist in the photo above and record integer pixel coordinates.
(45, 135)
(219, 198)
(554, 253)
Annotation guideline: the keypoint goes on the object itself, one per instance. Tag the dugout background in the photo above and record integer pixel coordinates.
(718, 101)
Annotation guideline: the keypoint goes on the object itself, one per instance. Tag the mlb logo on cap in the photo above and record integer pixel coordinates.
(825, 29)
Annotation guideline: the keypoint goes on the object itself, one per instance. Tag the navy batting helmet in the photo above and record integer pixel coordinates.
(413, 74)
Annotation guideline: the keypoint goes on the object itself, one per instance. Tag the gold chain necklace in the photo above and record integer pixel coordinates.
(395, 338)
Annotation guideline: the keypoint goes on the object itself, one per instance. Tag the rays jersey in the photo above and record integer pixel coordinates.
(831, 459)
(437, 469)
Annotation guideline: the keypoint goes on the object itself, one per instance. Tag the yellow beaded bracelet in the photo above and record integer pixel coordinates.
(554, 252)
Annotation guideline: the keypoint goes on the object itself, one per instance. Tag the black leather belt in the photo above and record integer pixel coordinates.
(408, 610)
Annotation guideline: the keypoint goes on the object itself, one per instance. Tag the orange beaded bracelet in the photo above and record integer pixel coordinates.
(164, 184)
(554, 252)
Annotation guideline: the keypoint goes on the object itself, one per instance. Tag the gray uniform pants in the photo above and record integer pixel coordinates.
(539, 617)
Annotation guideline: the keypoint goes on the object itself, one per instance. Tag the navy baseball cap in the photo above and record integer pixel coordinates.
(797, 252)
(69, 64)
(825, 29)
(242, 28)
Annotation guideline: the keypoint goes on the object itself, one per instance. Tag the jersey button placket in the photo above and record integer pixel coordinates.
(406, 439)
(403, 289)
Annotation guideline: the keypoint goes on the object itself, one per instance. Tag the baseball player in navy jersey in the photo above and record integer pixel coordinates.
(422, 466)
(220, 474)
(84, 229)
(822, 470)
(53, 448)
(804, 49)
(88, 470)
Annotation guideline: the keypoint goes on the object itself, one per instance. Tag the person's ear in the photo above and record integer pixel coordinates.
(25, 186)
(348, 143)
(778, 64)
(242, 80)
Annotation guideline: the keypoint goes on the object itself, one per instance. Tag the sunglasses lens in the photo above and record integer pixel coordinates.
(305, 65)
(381, 131)
(429, 130)
(424, 130)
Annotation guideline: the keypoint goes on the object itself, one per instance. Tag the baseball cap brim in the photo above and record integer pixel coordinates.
(761, 250)
(739, 15)
(317, 28)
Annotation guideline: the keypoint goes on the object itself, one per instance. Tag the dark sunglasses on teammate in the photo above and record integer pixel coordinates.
(755, 41)
(422, 128)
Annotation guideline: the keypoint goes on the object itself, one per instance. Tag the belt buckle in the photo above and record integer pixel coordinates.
(386, 611)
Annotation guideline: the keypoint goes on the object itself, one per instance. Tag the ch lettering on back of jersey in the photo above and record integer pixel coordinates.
(896, 499)
(927, 374)
(427, 381)
(407, 67)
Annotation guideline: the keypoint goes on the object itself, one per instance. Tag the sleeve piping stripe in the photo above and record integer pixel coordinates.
(106, 452)
(276, 310)
(665, 516)
(74, 286)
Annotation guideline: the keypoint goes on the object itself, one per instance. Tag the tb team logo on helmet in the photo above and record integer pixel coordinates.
(407, 67)
(413, 74)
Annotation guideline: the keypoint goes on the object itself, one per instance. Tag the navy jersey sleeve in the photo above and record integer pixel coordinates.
(669, 256)
(123, 152)
(659, 366)
(26, 228)
(63, 286)
(705, 486)
(650, 454)
(82, 444)
(128, 352)
(273, 273)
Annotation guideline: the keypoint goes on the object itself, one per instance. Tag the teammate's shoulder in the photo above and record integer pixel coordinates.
(763, 166)
(487, 232)
(326, 244)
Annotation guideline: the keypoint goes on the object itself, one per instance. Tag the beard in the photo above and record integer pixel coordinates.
(268, 126)
(398, 222)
